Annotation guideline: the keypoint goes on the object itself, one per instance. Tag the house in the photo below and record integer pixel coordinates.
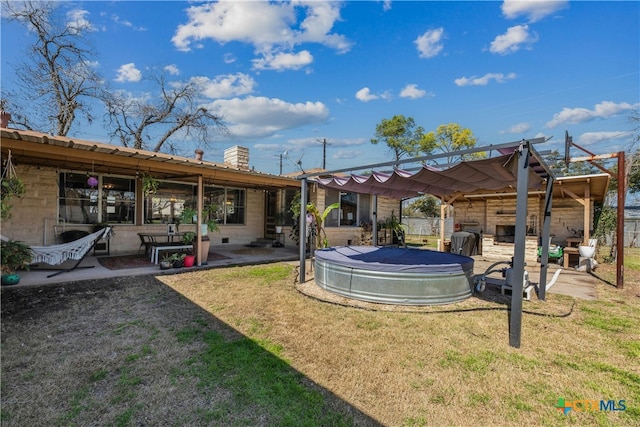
(74, 184)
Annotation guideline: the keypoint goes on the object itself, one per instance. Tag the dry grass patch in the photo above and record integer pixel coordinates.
(221, 348)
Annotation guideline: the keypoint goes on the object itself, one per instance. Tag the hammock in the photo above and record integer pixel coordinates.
(57, 254)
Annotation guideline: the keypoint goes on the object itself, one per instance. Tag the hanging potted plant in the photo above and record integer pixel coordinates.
(15, 255)
(149, 184)
(11, 186)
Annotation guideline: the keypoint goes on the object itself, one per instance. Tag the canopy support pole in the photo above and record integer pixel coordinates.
(374, 227)
(544, 243)
(303, 229)
(515, 314)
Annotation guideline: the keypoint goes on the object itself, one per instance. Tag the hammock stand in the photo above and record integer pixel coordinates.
(77, 250)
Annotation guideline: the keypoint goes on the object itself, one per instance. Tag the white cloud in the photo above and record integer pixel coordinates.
(590, 138)
(77, 21)
(430, 44)
(229, 58)
(346, 154)
(283, 61)
(513, 40)
(226, 85)
(602, 110)
(365, 95)
(260, 117)
(411, 91)
(518, 128)
(272, 28)
(534, 10)
(386, 5)
(484, 80)
(128, 73)
(172, 69)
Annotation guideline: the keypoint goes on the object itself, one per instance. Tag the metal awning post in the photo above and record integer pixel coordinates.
(374, 227)
(303, 229)
(544, 244)
(515, 314)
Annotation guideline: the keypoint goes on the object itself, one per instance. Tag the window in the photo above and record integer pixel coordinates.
(234, 207)
(168, 203)
(227, 205)
(108, 199)
(354, 209)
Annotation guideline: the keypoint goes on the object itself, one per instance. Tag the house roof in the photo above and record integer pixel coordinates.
(39, 149)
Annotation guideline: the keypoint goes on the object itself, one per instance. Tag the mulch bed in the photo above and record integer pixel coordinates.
(136, 261)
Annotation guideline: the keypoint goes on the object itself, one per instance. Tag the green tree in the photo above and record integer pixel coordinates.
(427, 205)
(401, 135)
(56, 79)
(448, 139)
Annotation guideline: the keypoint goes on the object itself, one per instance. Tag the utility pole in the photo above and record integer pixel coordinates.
(280, 162)
(324, 152)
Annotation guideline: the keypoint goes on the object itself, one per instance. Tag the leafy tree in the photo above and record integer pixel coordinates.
(56, 80)
(427, 205)
(136, 121)
(449, 138)
(401, 135)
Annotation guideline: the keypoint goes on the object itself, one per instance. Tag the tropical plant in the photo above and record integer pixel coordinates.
(15, 255)
(188, 237)
(318, 219)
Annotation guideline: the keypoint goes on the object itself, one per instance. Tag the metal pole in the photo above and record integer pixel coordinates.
(324, 153)
(374, 227)
(546, 227)
(620, 223)
(515, 314)
(303, 229)
(200, 205)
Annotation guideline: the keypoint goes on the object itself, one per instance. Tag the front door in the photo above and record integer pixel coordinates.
(270, 203)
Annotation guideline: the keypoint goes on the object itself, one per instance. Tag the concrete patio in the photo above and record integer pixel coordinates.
(569, 282)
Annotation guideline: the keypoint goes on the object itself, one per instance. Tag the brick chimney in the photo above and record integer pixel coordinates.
(237, 157)
(4, 119)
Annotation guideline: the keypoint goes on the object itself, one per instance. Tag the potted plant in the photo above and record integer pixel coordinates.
(15, 255)
(279, 218)
(149, 184)
(187, 239)
(178, 260)
(10, 187)
(166, 262)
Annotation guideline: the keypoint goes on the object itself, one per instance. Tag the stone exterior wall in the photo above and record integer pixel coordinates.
(34, 217)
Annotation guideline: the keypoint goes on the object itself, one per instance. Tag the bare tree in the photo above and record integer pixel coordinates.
(56, 79)
(136, 121)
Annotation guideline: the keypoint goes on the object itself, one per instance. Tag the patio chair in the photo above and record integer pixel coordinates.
(147, 242)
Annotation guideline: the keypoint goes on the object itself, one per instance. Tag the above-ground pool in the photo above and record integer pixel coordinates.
(391, 275)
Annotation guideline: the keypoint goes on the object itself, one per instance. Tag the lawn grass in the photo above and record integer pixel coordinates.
(243, 346)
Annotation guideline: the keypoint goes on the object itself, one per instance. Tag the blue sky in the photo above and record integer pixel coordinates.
(285, 76)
